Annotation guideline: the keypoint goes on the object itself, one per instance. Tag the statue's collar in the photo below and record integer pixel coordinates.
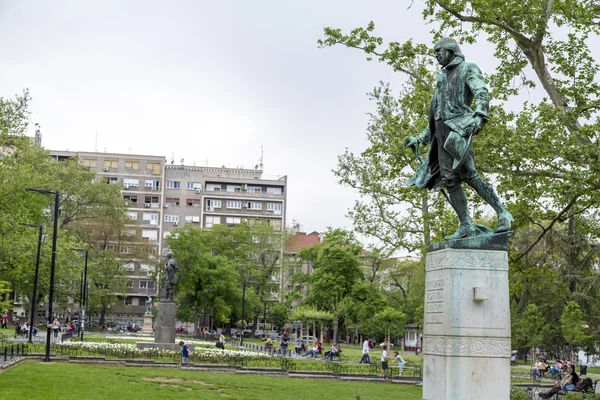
(456, 61)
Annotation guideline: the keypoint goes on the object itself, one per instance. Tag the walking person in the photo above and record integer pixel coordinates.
(185, 354)
(365, 352)
(4, 321)
(384, 358)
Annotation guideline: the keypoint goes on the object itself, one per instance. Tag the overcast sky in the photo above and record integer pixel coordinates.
(208, 81)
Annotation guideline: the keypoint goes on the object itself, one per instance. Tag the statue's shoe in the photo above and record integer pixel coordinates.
(463, 230)
(505, 220)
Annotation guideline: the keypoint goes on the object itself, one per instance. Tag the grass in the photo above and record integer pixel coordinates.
(47, 381)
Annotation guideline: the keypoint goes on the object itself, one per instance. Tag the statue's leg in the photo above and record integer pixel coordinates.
(488, 194)
(460, 204)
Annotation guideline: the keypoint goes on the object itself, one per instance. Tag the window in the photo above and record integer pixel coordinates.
(130, 284)
(128, 182)
(188, 219)
(254, 189)
(234, 204)
(172, 201)
(132, 215)
(195, 219)
(211, 204)
(152, 200)
(114, 164)
(172, 218)
(153, 168)
(212, 187)
(152, 184)
(150, 234)
(233, 220)
(128, 300)
(273, 190)
(111, 180)
(253, 205)
(193, 186)
(150, 219)
(234, 188)
(146, 268)
(132, 164)
(130, 198)
(129, 267)
(210, 221)
(143, 284)
(173, 185)
(410, 336)
(193, 202)
(90, 163)
(275, 207)
(276, 223)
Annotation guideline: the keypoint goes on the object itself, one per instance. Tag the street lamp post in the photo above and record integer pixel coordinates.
(243, 310)
(35, 278)
(244, 279)
(52, 266)
(83, 301)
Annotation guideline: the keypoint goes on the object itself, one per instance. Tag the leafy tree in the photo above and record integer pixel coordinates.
(279, 314)
(573, 326)
(390, 322)
(530, 327)
(337, 268)
(205, 274)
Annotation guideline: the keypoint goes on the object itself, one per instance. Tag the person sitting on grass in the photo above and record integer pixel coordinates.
(400, 361)
(315, 351)
(185, 354)
(384, 358)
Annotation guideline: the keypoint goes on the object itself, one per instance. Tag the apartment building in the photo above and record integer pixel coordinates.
(162, 197)
(205, 197)
(295, 243)
(142, 178)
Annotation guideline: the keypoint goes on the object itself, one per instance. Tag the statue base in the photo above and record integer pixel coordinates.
(466, 332)
(147, 324)
(164, 325)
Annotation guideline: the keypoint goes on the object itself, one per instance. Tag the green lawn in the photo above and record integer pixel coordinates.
(34, 380)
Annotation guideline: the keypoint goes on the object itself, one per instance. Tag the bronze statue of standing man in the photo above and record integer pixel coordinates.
(170, 277)
(452, 125)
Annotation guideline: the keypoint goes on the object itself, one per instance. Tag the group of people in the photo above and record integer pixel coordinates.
(22, 330)
(284, 342)
(397, 359)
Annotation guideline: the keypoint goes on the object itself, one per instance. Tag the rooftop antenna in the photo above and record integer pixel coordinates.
(181, 161)
(96, 143)
(205, 162)
(172, 158)
(260, 164)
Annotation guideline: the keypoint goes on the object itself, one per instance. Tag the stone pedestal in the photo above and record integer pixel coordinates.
(147, 324)
(164, 325)
(466, 333)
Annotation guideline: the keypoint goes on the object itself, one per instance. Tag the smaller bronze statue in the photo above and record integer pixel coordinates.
(148, 306)
(170, 277)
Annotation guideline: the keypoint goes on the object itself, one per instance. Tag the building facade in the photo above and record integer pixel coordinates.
(161, 197)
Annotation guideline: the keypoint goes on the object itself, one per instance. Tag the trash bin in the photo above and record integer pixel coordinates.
(583, 370)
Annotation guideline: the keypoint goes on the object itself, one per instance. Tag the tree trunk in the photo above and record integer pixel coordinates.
(335, 329)
(102, 315)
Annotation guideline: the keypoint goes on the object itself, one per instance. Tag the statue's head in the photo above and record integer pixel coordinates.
(169, 255)
(445, 50)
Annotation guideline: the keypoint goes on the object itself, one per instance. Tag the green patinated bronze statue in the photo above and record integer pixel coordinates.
(452, 125)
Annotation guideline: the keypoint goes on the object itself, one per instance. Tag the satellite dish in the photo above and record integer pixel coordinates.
(181, 161)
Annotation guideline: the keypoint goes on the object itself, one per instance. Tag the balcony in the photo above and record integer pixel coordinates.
(242, 194)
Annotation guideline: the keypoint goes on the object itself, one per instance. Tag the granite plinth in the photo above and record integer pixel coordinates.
(466, 332)
(162, 346)
(164, 324)
(147, 324)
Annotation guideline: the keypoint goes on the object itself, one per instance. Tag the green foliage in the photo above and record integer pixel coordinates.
(279, 314)
(530, 326)
(390, 322)
(5, 305)
(573, 325)
(337, 268)
(518, 394)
